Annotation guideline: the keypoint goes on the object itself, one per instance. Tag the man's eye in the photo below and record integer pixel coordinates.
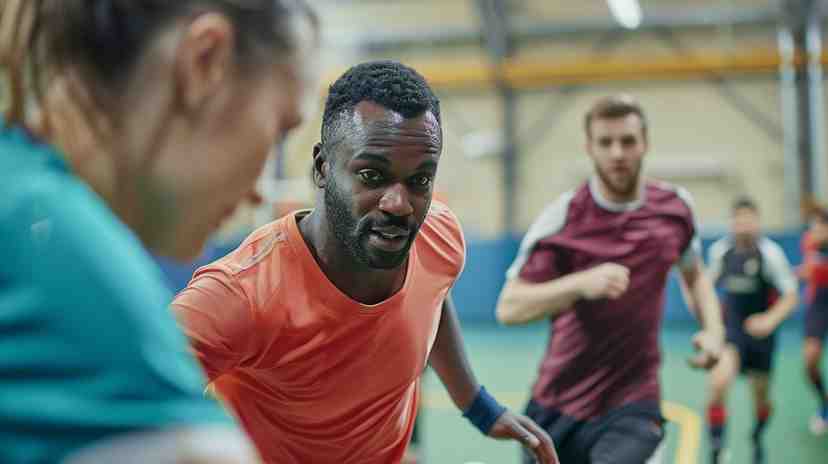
(370, 176)
(422, 181)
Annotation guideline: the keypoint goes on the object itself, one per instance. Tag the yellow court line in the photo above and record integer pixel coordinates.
(689, 425)
(688, 422)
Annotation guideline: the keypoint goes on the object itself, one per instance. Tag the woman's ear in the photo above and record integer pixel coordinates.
(204, 59)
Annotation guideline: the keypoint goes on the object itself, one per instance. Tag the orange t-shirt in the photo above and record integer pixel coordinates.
(314, 376)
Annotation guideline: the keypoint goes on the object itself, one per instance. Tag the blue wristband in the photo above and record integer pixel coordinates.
(484, 411)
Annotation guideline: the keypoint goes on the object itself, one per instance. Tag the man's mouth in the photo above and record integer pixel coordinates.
(390, 238)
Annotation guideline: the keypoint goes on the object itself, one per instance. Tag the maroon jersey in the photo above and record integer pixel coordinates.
(605, 353)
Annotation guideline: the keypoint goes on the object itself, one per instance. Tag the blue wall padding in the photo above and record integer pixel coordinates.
(476, 292)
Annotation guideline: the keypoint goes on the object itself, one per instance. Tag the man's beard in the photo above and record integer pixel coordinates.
(626, 189)
(353, 233)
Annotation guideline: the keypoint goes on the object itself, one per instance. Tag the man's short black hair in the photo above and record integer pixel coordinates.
(389, 84)
(744, 202)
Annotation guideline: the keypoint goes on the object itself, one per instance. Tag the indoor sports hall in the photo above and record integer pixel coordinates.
(734, 93)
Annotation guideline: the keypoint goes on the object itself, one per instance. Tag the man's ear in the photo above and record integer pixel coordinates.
(321, 166)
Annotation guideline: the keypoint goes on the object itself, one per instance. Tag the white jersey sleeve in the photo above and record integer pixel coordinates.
(550, 221)
(777, 269)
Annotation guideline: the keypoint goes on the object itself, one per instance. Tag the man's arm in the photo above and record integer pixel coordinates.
(701, 295)
(761, 325)
(777, 271)
(715, 260)
(522, 301)
(448, 359)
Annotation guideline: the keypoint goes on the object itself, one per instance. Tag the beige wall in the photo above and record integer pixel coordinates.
(692, 126)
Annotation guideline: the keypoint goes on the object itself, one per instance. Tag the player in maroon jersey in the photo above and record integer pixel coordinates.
(596, 264)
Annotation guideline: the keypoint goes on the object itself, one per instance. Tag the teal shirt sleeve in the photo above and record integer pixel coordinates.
(88, 345)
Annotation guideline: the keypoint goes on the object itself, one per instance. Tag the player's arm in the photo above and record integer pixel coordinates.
(715, 261)
(714, 270)
(448, 359)
(778, 271)
(701, 295)
(523, 301)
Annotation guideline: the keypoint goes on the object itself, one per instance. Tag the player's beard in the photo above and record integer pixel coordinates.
(621, 185)
(353, 232)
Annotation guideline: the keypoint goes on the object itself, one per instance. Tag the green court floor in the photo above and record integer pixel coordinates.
(506, 359)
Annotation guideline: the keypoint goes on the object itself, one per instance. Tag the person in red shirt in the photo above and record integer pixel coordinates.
(595, 263)
(815, 271)
(316, 330)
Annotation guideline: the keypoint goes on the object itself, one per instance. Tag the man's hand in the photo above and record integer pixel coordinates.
(410, 456)
(512, 426)
(760, 325)
(708, 345)
(608, 280)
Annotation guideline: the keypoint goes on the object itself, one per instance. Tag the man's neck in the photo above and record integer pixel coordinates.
(359, 282)
(613, 201)
(615, 197)
(744, 243)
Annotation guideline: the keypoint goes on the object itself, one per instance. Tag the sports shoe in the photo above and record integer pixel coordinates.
(758, 453)
(819, 423)
(719, 456)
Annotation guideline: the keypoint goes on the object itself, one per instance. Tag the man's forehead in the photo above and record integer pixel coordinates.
(368, 115)
(630, 122)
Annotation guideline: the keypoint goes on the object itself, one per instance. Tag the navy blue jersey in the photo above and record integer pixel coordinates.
(750, 278)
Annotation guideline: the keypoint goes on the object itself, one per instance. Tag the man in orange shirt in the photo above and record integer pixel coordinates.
(317, 328)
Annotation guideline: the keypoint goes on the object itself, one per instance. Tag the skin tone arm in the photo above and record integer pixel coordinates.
(701, 297)
(763, 324)
(448, 359)
(522, 302)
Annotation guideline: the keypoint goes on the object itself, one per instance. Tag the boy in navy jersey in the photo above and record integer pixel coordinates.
(759, 292)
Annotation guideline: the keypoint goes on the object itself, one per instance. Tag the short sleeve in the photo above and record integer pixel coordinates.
(777, 268)
(217, 316)
(551, 220)
(543, 264)
(444, 235)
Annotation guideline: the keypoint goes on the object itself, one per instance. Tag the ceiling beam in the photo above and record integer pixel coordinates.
(380, 42)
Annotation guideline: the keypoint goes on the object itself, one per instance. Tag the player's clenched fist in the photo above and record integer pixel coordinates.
(608, 280)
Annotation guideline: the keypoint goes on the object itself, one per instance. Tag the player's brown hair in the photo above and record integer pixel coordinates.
(819, 213)
(744, 202)
(101, 41)
(613, 107)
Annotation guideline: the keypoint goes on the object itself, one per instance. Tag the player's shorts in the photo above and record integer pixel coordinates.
(816, 316)
(627, 435)
(754, 354)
